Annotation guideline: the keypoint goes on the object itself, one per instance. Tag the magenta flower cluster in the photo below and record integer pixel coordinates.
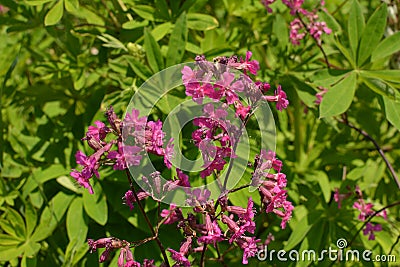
(365, 209)
(305, 22)
(227, 84)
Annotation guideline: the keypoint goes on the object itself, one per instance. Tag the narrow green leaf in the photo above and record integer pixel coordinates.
(386, 75)
(379, 87)
(193, 48)
(30, 218)
(280, 28)
(132, 24)
(161, 30)
(76, 223)
(355, 26)
(38, 2)
(387, 47)
(71, 6)
(372, 33)
(299, 233)
(338, 98)
(55, 14)
(140, 70)
(177, 41)
(17, 222)
(145, 12)
(392, 111)
(153, 52)
(8, 240)
(201, 22)
(96, 205)
(51, 216)
(346, 52)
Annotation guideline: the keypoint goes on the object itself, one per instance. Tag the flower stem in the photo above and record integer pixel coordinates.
(155, 235)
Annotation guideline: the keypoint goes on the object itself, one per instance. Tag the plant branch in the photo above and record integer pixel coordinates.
(315, 40)
(372, 216)
(155, 234)
(366, 135)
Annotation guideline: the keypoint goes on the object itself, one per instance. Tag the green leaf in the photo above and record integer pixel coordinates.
(17, 222)
(55, 14)
(339, 97)
(281, 30)
(8, 240)
(96, 205)
(299, 233)
(201, 22)
(77, 226)
(41, 175)
(30, 218)
(372, 33)
(392, 111)
(132, 24)
(141, 70)
(153, 52)
(161, 30)
(386, 75)
(145, 12)
(387, 47)
(379, 86)
(51, 216)
(177, 41)
(38, 2)
(355, 26)
(71, 5)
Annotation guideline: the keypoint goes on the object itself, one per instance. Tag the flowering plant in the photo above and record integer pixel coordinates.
(122, 143)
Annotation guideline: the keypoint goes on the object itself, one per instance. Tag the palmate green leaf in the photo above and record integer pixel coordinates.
(153, 52)
(355, 26)
(392, 111)
(55, 14)
(372, 33)
(339, 97)
(96, 204)
(201, 22)
(51, 216)
(177, 41)
(387, 47)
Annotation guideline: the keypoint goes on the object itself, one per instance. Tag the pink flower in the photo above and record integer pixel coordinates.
(169, 153)
(125, 156)
(320, 94)
(129, 198)
(154, 137)
(227, 88)
(249, 247)
(179, 257)
(280, 99)
(370, 229)
(214, 233)
(173, 214)
(267, 3)
(365, 209)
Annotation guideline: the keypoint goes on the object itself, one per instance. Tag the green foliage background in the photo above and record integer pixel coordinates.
(63, 62)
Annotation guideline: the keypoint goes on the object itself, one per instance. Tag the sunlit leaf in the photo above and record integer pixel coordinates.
(339, 97)
(55, 14)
